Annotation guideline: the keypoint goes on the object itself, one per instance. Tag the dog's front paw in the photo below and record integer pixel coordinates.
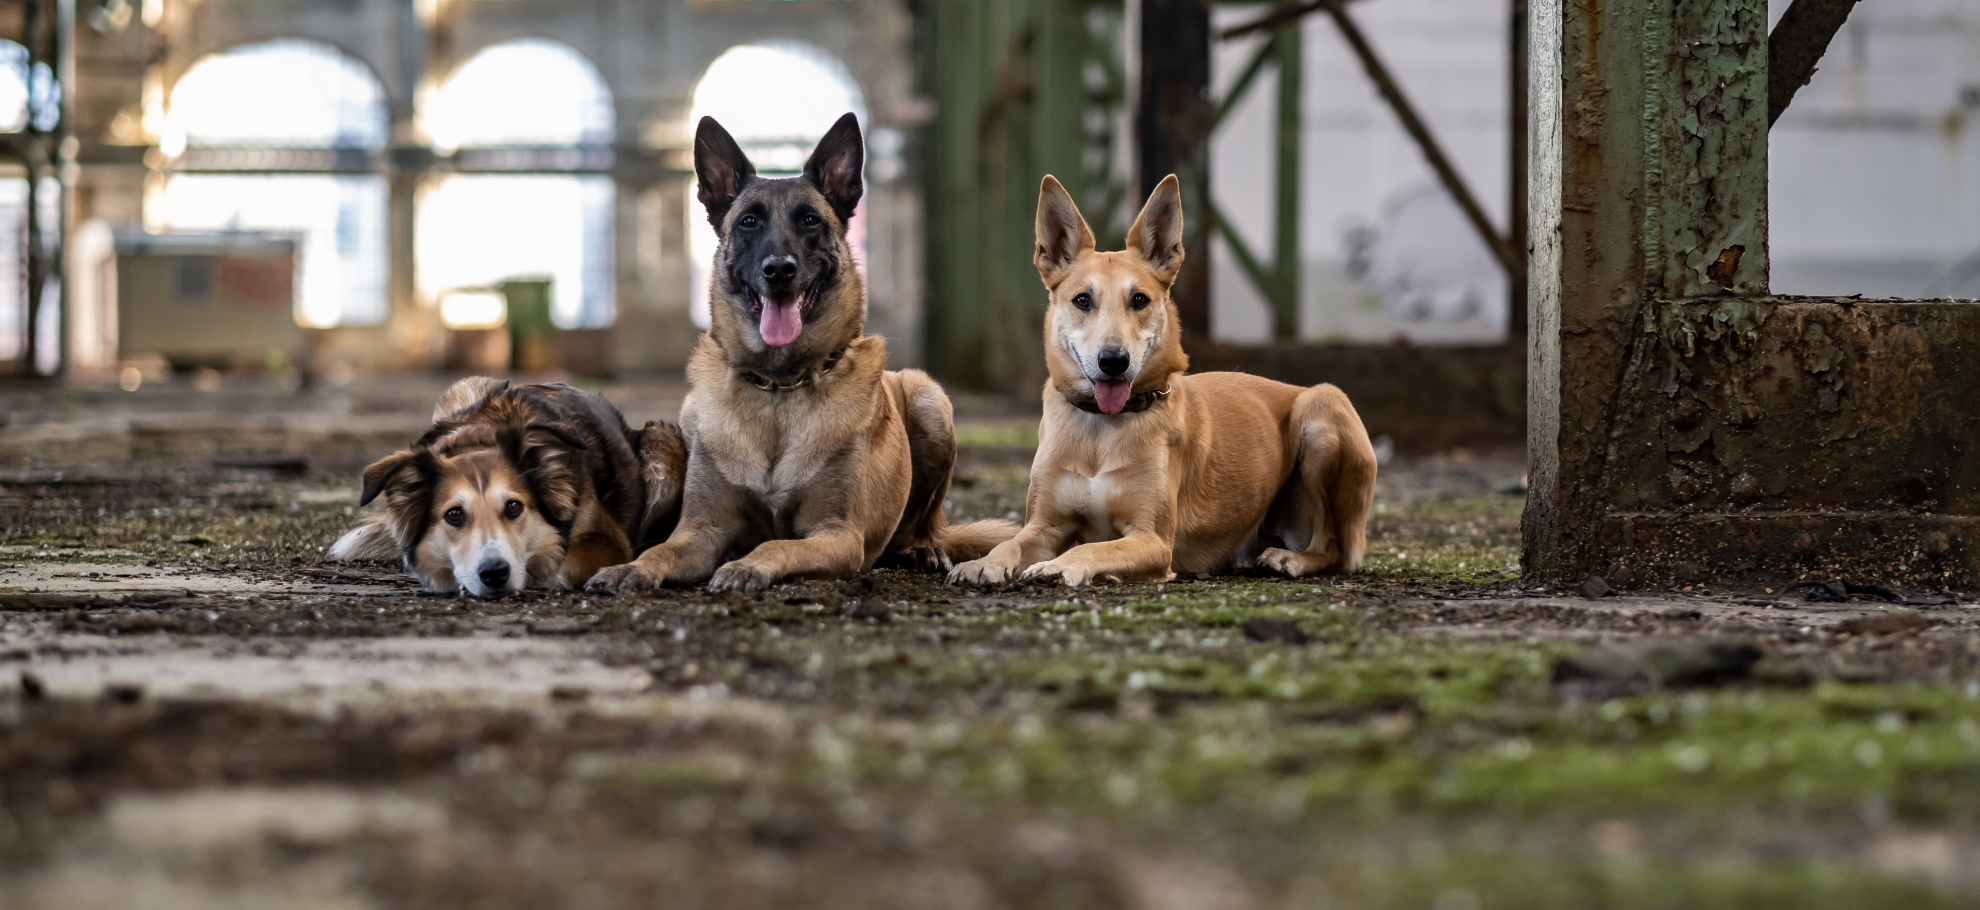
(929, 559)
(631, 578)
(741, 578)
(980, 572)
(1288, 563)
(1070, 574)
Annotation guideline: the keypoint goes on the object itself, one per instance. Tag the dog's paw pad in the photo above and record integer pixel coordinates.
(978, 572)
(739, 579)
(1070, 576)
(929, 559)
(1284, 562)
(626, 579)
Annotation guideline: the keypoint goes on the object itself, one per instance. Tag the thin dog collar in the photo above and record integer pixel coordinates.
(1141, 402)
(804, 379)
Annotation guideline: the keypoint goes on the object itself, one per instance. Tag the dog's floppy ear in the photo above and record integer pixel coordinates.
(545, 453)
(835, 166)
(408, 462)
(1062, 232)
(406, 479)
(1158, 231)
(720, 168)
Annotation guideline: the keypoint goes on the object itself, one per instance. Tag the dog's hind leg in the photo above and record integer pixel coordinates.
(931, 432)
(663, 461)
(1324, 522)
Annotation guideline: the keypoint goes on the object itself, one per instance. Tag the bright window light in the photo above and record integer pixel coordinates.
(280, 93)
(14, 81)
(526, 92)
(340, 268)
(777, 99)
(476, 230)
(473, 309)
(291, 94)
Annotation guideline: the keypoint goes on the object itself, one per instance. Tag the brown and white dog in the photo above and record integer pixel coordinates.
(806, 457)
(520, 486)
(1142, 470)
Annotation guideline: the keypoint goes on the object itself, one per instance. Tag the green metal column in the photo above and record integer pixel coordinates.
(1285, 217)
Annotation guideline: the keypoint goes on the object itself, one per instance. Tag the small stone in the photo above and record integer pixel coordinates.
(556, 627)
(32, 687)
(1266, 628)
(123, 693)
(1903, 622)
(1595, 588)
(569, 693)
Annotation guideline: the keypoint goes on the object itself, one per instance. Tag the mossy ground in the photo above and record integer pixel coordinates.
(1028, 746)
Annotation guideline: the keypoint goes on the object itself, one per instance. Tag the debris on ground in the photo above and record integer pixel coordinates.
(1266, 628)
(1595, 588)
(1672, 664)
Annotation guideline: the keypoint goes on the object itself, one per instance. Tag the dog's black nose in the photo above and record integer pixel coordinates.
(1114, 361)
(779, 269)
(495, 575)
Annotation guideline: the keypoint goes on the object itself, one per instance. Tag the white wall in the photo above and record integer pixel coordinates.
(1385, 251)
(1874, 170)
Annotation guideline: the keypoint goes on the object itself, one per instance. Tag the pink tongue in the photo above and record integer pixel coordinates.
(781, 320)
(1111, 395)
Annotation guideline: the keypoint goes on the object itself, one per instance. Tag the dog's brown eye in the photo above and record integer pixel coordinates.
(1083, 300)
(746, 221)
(513, 509)
(1139, 300)
(811, 219)
(455, 516)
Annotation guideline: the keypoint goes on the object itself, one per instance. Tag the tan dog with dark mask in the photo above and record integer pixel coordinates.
(806, 457)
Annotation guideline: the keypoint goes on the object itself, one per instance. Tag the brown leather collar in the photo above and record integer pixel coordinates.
(804, 379)
(1141, 402)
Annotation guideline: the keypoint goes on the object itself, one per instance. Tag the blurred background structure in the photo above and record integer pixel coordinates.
(1355, 176)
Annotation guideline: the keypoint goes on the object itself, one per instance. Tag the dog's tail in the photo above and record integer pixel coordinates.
(368, 542)
(975, 539)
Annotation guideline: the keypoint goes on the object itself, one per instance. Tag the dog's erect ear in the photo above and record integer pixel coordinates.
(835, 166)
(1157, 233)
(406, 465)
(720, 168)
(1062, 232)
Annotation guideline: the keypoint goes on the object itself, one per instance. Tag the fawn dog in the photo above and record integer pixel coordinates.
(520, 486)
(1143, 470)
(806, 457)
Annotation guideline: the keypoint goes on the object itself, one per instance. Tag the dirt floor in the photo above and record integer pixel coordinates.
(197, 711)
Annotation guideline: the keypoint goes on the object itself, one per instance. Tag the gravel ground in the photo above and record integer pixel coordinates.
(197, 711)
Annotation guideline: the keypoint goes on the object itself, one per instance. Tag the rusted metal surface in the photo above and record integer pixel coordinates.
(1799, 436)
(1691, 426)
(1707, 111)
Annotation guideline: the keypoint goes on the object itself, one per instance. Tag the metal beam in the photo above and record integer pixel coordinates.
(1798, 42)
(1244, 80)
(1285, 211)
(1173, 117)
(1517, 139)
(1413, 124)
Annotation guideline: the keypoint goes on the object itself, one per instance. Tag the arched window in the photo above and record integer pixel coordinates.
(14, 82)
(329, 109)
(777, 99)
(530, 124)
